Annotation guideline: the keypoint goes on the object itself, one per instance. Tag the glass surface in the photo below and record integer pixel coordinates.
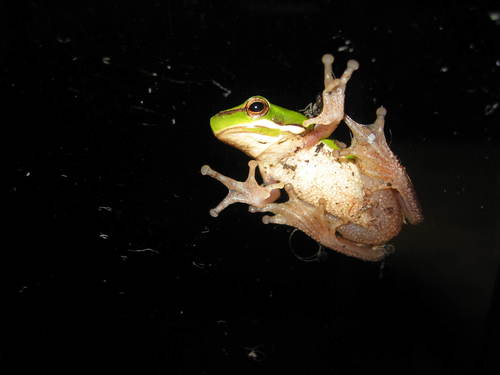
(111, 260)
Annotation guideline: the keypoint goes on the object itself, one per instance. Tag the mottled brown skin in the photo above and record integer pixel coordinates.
(378, 162)
(384, 193)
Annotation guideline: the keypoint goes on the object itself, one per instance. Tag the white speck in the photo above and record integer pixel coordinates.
(255, 354)
(347, 42)
(497, 63)
(169, 67)
(105, 208)
(147, 249)
(106, 60)
(199, 265)
(103, 236)
(444, 69)
(23, 288)
(173, 121)
(373, 59)
(63, 39)
(490, 109)
(64, 175)
(226, 92)
(150, 90)
(342, 48)
(28, 174)
(371, 138)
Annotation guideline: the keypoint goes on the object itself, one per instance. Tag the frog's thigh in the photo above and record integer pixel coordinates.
(387, 220)
(316, 223)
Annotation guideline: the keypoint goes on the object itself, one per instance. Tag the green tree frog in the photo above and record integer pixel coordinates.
(352, 199)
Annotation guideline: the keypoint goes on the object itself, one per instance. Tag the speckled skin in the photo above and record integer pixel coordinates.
(352, 200)
(319, 172)
(362, 207)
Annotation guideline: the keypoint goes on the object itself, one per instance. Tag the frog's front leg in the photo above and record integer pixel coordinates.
(333, 102)
(249, 191)
(318, 224)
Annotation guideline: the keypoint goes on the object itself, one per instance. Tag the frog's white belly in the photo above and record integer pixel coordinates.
(317, 174)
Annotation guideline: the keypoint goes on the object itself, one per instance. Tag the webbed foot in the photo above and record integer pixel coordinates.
(375, 159)
(249, 191)
(333, 102)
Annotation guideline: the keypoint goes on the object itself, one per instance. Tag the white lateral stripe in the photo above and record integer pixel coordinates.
(295, 129)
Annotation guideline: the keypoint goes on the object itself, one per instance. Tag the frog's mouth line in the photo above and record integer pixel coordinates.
(264, 127)
(254, 140)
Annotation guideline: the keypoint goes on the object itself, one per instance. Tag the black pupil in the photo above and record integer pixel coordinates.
(256, 107)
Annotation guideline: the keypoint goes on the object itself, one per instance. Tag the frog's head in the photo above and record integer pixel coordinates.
(256, 125)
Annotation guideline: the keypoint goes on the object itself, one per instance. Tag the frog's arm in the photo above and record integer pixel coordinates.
(375, 159)
(333, 102)
(249, 191)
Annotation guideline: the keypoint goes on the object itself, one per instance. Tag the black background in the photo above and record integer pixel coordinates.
(111, 262)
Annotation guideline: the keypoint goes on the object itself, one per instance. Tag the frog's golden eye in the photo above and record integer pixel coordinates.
(257, 107)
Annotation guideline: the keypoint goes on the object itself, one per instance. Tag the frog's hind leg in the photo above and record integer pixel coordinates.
(317, 224)
(375, 159)
(387, 218)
